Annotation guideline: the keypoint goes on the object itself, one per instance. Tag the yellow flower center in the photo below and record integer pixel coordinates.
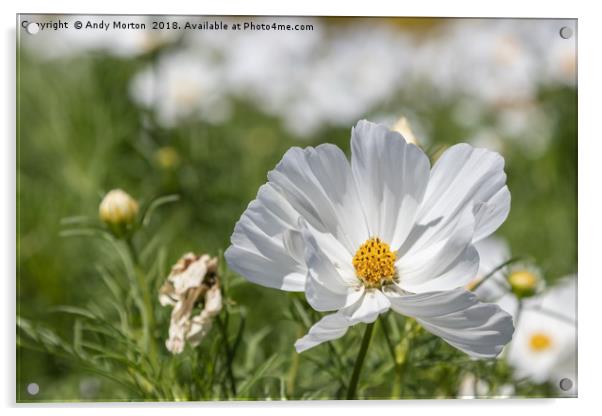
(374, 262)
(539, 342)
(523, 280)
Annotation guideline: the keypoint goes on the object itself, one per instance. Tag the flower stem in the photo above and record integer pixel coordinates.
(494, 271)
(147, 305)
(359, 361)
(398, 358)
(229, 355)
(519, 311)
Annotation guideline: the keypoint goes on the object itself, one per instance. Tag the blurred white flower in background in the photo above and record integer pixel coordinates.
(337, 73)
(557, 57)
(473, 387)
(507, 284)
(182, 86)
(360, 68)
(483, 59)
(313, 78)
(544, 346)
(488, 138)
(270, 68)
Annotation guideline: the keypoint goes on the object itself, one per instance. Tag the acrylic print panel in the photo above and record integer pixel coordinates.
(271, 208)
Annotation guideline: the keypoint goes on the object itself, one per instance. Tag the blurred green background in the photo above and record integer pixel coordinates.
(81, 134)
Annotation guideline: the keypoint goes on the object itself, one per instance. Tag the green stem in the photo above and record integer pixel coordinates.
(359, 361)
(396, 389)
(229, 355)
(388, 338)
(494, 271)
(294, 369)
(148, 320)
(519, 310)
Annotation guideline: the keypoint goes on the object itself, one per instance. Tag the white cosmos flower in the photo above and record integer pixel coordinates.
(544, 347)
(384, 232)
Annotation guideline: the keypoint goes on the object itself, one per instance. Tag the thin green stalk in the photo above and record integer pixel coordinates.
(519, 310)
(359, 361)
(399, 366)
(388, 338)
(148, 319)
(229, 355)
(494, 271)
(294, 369)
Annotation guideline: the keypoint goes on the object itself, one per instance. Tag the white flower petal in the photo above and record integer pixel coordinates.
(334, 326)
(489, 216)
(338, 255)
(325, 289)
(466, 178)
(319, 185)
(493, 252)
(478, 329)
(443, 265)
(294, 245)
(258, 251)
(266, 271)
(367, 309)
(392, 177)
(328, 328)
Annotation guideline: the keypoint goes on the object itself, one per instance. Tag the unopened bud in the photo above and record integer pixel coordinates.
(118, 210)
(524, 283)
(402, 126)
(167, 157)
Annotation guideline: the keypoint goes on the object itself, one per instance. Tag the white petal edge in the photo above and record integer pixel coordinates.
(258, 251)
(464, 178)
(328, 328)
(333, 326)
(479, 329)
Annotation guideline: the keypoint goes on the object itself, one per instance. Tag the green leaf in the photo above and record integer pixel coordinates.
(168, 199)
(257, 374)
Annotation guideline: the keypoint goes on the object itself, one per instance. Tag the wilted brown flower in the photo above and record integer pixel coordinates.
(192, 279)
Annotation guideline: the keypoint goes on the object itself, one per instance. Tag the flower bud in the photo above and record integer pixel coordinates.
(524, 283)
(402, 126)
(167, 158)
(119, 211)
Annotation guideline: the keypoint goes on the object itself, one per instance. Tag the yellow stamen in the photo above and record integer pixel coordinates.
(540, 342)
(374, 262)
